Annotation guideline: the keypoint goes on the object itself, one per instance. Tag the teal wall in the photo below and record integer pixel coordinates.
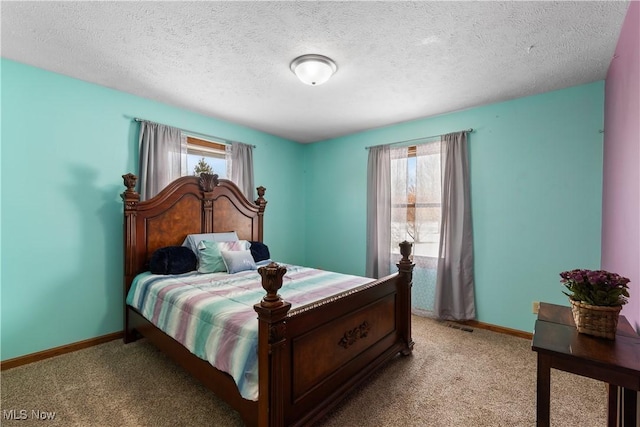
(536, 179)
(536, 170)
(65, 145)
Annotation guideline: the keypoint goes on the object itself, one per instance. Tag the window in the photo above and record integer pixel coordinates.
(416, 198)
(206, 156)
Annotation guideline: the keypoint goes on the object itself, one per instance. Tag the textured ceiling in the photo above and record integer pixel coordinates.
(397, 61)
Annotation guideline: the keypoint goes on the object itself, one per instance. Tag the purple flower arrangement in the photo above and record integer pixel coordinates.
(596, 287)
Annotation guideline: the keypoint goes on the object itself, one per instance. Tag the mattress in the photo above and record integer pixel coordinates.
(212, 314)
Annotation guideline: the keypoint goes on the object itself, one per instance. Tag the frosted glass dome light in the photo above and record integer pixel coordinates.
(313, 69)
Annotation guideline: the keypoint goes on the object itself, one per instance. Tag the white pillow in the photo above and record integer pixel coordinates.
(237, 261)
(192, 240)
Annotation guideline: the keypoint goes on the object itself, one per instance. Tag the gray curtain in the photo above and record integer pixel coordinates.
(455, 299)
(163, 157)
(379, 212)
(240, 167)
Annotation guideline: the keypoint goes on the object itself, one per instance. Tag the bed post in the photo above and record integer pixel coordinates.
(272, 344)
(405, 282)
(208, 183)
(262, 204)
(131, 199)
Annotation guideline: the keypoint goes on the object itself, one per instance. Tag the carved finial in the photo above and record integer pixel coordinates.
(208, 182)
(130, 197)
(271, 282)
(405, 264)
(130, 181)
(405, 250)
(260, 201)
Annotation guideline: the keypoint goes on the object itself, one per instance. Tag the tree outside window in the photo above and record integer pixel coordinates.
(202, 167)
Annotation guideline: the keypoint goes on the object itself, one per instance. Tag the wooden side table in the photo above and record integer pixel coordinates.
(616, 362)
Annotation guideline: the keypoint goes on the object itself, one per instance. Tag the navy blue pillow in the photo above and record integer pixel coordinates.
(173, 260)
(259, 251)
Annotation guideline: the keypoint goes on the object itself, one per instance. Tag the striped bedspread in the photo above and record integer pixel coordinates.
(212, 315)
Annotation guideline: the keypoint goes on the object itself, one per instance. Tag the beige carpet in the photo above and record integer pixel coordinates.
(453, 378)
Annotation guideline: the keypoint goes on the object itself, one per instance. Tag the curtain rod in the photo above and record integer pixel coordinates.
(419, 139)
(228, 141)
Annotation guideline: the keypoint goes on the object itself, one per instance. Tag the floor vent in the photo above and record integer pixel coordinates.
(461, 327)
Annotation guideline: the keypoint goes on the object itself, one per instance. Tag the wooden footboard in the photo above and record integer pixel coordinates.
(312, 356)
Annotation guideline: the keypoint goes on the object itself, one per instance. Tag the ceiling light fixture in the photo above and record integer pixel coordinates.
(313, 69)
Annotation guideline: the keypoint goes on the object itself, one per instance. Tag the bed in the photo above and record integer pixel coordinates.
(309, 356)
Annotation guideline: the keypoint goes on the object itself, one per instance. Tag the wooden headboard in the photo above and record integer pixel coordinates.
(189, 205)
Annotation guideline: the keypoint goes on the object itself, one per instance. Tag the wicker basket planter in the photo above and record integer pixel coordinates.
(596, 320)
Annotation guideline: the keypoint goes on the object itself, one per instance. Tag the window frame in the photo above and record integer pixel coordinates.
(205, 148)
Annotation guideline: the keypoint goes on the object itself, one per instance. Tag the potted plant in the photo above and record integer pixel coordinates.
(596, 298)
